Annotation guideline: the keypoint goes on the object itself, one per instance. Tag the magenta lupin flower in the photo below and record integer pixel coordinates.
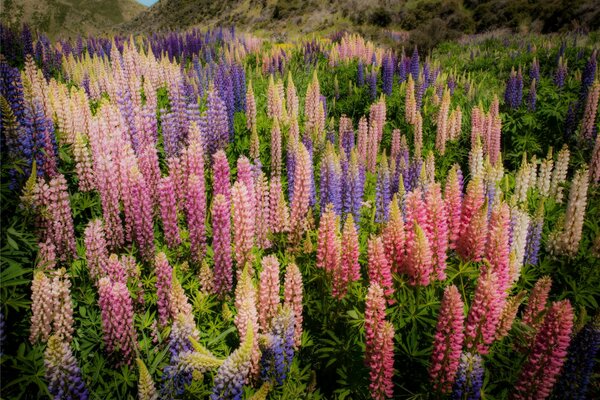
(394, 237)
(141, 209)
(292, 298)
(349, 266)
(415, 213)
(196, 214)
(471, 204)
(536, 305)
(221, 183)
(437, 228)
(448, 340)
(221, 226)
(497, 249)
(268, 292)
(164, 277)
(484, 314)
(379, 267)
(473, 234)
(453, 200)
(117, 318)
(243, 227)
(548, 353)
(168, 211)
(96, 252)
(302, 190)
(329, 244)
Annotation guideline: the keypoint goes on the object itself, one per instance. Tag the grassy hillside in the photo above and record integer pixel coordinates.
(69, 17)
(429, 22)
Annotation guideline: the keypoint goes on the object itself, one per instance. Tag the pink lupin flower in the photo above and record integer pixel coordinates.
(418, 134)
(548, 353)
(114, 269)
(105, 171)
(268, 291)
(83, 164)
(591, 109)
(148, 163)
(278, 209)
(275, 148)
(418, 261)
(349, 266)
(374, 317)
(243, 227)
(415, 213)
(484, 314)
(164, 277)
(196, 214)
(442, 123)
(168, 211)
(410, 102)
(497, 249)
(96, 251)
(57, 217)
(42, 307)
(247, 315)
(395, 151)
(292, 295)
(117, 318)
(379, 344)
(302, 189)
(329, 244)
(471, 245)
(448, 340)
(533, 314)
(477, 128)
(262, 227)
(594, 163)
(46, 256)
(245, 174)
(394, 237)
(250, 108)
(471, 204)
(291, 96)
(453, 200)
(221, 222)
(495, 131)
(178, 175)
(509, 313)
(362, 140)
(221, 183)
(379, 267)
(382, 363)
(437, 228)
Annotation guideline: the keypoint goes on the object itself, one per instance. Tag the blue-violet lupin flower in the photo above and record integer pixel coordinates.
(469, 378)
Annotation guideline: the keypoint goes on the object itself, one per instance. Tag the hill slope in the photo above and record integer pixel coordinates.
(429, 20)
(70, 17)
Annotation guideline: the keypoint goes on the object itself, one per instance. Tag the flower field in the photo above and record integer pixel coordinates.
(208, 214)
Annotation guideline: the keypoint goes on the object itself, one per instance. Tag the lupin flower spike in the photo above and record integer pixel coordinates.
(448, 340)
(548, 353)
(62, 373)
(146, 388)
(268, 291)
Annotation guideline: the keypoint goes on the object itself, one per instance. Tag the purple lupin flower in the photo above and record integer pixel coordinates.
(587, 77)
(578, 368)
(360, 75)
(469, 378)
(382, 194)
(534, 235)
(387, 74)
(62, 373)
(373, 83)
(330, 183)
(414, 64)
(215, 123)
(532, 98)
(353, 186)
